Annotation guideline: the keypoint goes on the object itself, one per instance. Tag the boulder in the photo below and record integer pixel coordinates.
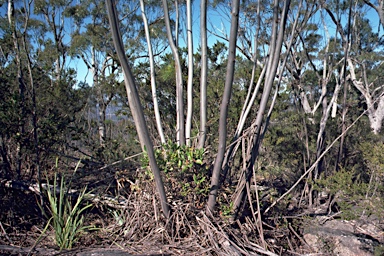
(338, 237)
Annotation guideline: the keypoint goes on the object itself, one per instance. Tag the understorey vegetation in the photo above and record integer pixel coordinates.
(191, 127)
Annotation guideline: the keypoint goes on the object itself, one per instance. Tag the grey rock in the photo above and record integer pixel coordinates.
(337, 237)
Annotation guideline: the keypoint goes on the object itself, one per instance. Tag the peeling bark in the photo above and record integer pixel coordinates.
(375, 114)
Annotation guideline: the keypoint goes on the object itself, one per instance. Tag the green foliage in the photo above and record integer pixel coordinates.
(57, 106)
(173, 157)
(373, 156)
(283, 143)
(226, 209)
(379, 250)
(340, 182)
(182, 167)
(9, 101)
(354, 195)
(67, 218)
(117, 148)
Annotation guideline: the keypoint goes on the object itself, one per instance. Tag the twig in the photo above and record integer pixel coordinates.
(259, 249)
(5, 233)
(259, 221)
(117, 162)
(326, 218)
(297, 235)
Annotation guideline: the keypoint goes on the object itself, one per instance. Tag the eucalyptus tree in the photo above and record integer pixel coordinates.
(34, 25)
(269, 61)
(172, 40)
(153, 74)
(364, 51)
(203, 74)
(54, 15)
(365, 63)
(215, 179)
(260, 124)
(188, 124)
(323, 62)
(315, 71)
(293, 46)
(26, 33)
(314, 68)
(378, 7)
(135, 104)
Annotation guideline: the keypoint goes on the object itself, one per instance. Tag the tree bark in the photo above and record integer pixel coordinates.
(375, 115)
(215, 180)
(180, 129)
(271, 70)
(135, 105)
(100, 101)
(204, 73)
(188, 125)
(153, 75)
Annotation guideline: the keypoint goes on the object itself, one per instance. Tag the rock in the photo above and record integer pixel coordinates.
(337, 237)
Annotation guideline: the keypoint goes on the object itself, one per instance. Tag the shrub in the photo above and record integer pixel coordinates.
(182, 168)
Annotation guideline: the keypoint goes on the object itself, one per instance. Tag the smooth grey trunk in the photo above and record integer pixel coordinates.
(180, 129)
(177, 22)
(327, 71)
(271, 71)
(276, 45)
(135, 105)
(188, 124)
(203, 74)
(320, 142)
(324, 78)
(215, 179)
(327, 107)
(281, 71)
(372, 98)
(375, 115)
(243, 117)
(103, 100)
(250, 100)
(101, 121)
(153, 74)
